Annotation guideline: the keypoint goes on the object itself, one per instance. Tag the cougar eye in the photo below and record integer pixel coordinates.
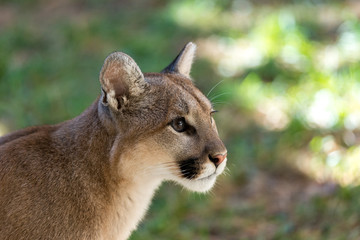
(211, 114)
(179, 124)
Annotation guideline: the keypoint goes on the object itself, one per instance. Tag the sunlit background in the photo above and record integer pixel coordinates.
(284, 75)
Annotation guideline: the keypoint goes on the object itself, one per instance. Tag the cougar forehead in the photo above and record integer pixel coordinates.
(186, 87)
(179, 94)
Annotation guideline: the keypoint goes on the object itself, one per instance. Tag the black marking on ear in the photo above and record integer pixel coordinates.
(182, 63)
(172, 65)
(189, 168)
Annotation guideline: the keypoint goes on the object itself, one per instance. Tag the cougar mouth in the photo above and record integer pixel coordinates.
(211, 176)
(192, 167)
(198, 175)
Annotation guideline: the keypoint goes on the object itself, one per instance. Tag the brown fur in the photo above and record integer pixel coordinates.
(93, 177)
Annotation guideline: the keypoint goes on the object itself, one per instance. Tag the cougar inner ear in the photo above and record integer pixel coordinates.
(120, 79)
(104, 97)
(183, 62)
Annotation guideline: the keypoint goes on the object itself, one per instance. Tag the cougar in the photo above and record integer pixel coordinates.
(93, 177)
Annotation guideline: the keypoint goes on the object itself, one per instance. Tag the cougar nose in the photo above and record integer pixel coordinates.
(218, 159)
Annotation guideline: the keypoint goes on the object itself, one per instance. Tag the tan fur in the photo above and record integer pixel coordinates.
(93, 177)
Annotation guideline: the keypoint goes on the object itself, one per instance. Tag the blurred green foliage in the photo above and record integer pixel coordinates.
(286, 77)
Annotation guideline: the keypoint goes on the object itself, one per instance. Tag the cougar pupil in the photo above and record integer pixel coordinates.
(179, 124)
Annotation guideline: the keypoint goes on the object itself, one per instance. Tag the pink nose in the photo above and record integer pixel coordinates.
(218, 159)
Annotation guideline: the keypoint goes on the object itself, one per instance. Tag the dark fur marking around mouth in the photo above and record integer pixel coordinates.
(189, 168)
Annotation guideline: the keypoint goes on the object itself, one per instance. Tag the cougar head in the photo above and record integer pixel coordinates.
(166, 121)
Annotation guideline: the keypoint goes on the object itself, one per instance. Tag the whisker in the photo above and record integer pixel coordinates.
(157, 169)
(215, 103)
(214, 87)
(219, 104)
(219, 95)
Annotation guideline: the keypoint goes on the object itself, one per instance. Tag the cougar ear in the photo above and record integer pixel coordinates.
(182, 63)
(121, 79)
